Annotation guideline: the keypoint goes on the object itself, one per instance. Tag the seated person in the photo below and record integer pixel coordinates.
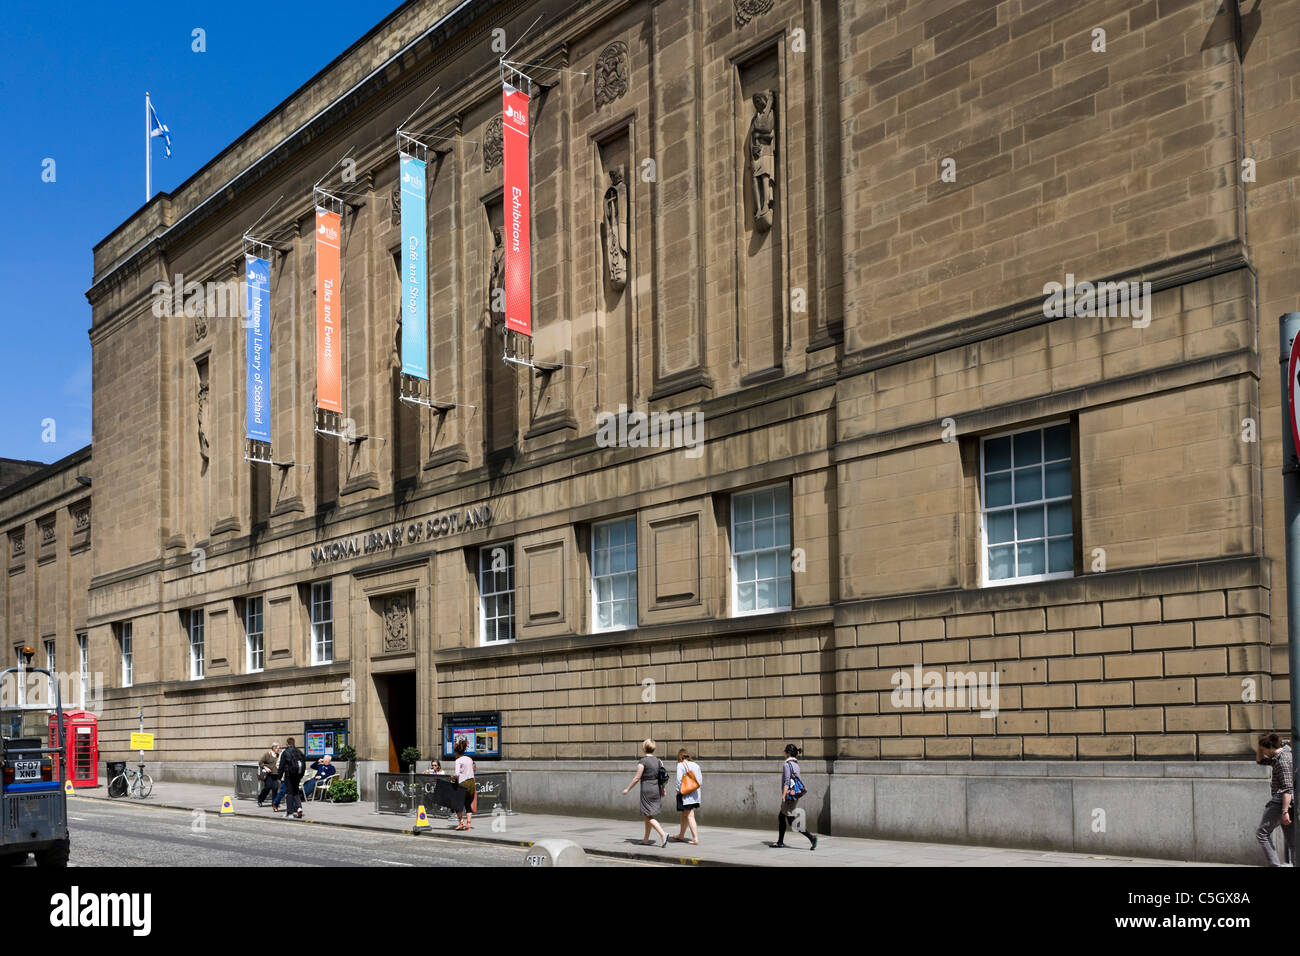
(434, 767)
(324, 770)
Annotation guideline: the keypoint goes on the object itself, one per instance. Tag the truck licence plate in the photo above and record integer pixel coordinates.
(27, 770)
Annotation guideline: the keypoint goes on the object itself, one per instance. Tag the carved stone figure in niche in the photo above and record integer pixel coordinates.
(611, 73)
(203, 417)
(762, 137)
(616, 228)
(397, 623)
(492, 145)
(395, 217)
(200, 324)
(497, 281)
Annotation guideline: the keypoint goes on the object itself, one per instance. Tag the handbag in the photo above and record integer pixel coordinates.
(797, 789)
(689, 784)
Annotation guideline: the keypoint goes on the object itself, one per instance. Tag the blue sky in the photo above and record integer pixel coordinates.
(72, 83)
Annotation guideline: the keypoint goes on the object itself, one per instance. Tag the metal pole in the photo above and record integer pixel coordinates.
(148, 151)
(141, 710)
(1289, 328)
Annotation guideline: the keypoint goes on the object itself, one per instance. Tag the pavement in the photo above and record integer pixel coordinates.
(719, 846)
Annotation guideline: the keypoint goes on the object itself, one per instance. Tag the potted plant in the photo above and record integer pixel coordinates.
(343, 791)
(408, 758)
(349, 753)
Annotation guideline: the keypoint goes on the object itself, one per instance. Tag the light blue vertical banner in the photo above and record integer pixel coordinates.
(415, 307)
(257, 281)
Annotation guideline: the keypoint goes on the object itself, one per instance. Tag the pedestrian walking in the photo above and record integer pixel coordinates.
(292, 767)
(653, 778)
(268, 769)
(792, 789)
(690, 780)
(464, 778)
(1279, 811)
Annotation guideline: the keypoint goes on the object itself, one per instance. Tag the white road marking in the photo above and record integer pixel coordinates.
(394, 863)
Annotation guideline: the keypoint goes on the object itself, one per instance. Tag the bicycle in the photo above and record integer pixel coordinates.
(129, 782)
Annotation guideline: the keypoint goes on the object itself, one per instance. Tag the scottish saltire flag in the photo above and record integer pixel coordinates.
(156, 128)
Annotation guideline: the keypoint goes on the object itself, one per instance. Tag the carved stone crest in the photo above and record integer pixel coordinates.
(200, 324)
(396, 200)
(47, 532)
(746, 10)
(17, 543)
(202, 419)
(397, 623)
(611, 73)
(81, 520)
(492, 145)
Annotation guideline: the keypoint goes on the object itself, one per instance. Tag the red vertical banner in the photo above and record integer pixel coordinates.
(514, 127)
(329, 317)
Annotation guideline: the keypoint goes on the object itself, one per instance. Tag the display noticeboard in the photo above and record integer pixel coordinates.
(481, 733)
(324, 737)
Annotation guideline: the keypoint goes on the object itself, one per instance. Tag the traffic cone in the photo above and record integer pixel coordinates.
(227, 807)
(421, 819)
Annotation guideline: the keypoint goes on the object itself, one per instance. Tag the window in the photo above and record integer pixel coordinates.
(83, 668)
(760, 551)
(254, 647)
(49, 656)
(322, 623)
(124, 640)
(496, 588)
(613, 574)
(1027, 503)
(196, 645)
(21, 663)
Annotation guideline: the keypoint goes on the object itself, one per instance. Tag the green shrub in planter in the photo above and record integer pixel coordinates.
(409, 757)
(343, 791)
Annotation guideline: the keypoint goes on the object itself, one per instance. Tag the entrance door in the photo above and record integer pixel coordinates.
(397, 700)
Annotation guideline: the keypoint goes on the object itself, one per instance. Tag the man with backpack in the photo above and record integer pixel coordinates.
(292, 767)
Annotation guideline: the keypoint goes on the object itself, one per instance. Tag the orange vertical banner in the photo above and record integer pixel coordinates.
(329, 316)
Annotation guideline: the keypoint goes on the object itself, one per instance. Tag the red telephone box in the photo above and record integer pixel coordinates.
(82, 728)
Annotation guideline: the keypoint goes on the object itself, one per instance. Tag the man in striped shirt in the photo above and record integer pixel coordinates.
(1272, 752)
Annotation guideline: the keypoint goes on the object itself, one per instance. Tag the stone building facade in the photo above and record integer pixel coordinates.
(831, 230)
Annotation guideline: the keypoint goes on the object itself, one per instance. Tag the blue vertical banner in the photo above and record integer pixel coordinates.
(257, 282)
(415, 307)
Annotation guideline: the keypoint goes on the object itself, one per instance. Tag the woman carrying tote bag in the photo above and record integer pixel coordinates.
(689, 781)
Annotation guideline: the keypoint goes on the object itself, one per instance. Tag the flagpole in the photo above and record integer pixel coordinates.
(148, 152)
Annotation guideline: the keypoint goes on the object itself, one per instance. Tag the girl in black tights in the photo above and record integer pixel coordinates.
(792, 789)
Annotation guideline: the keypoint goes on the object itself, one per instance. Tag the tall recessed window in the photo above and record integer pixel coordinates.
(254, 644)
(613, 574)
(197, 658)
(49, 656)
(1027, 504)
(83, 668)
(496, 588)
(124, 644)
(760, 551)
(322, 623)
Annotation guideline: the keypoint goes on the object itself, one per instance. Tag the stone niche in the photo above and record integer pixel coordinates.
(760, 208)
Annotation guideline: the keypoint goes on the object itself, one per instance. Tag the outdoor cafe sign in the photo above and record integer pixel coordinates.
(392, 537)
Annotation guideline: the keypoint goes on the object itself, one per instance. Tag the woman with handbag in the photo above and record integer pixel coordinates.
(792, 789)
(464, 778)
(689, 779)
(652, 776)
